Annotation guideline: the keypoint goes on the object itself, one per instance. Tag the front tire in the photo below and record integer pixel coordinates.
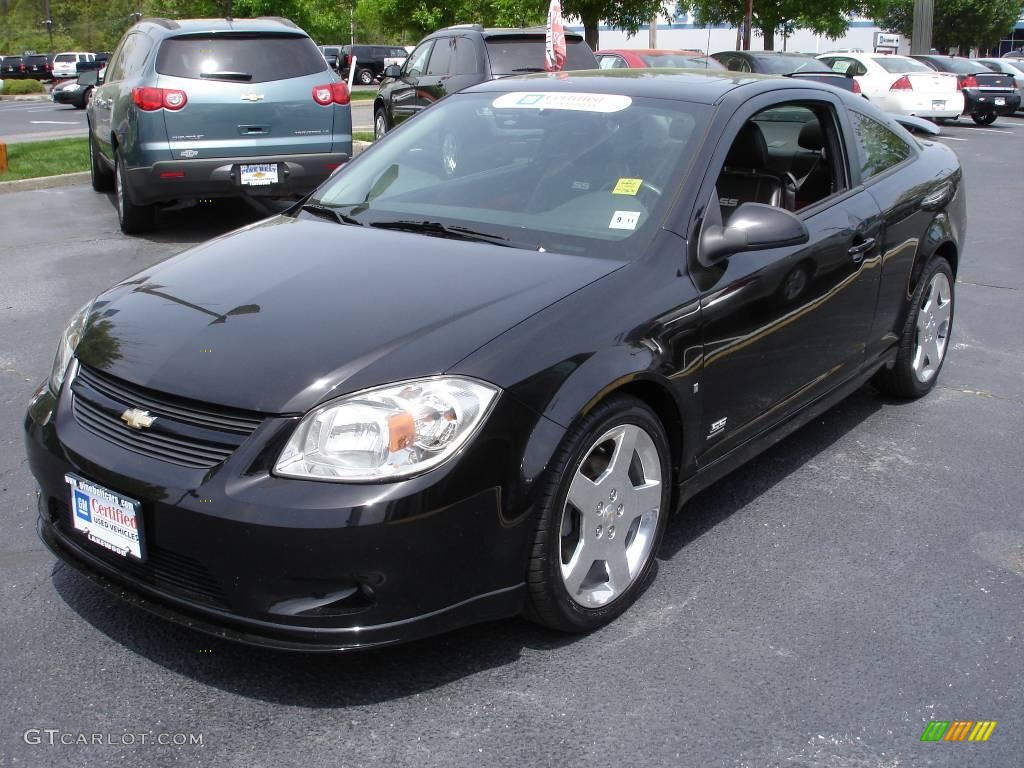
(925, 338)
(134, 219)
(603, 514)
(364, 76)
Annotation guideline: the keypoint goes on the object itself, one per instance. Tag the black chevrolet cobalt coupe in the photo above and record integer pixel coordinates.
(474, 373)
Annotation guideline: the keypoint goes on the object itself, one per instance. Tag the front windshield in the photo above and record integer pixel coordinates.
(568, 172)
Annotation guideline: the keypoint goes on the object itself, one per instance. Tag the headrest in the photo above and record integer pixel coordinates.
(749, 150)
(811, 136)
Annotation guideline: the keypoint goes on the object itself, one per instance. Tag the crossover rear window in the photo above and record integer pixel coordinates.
(250, 58)
(514, 55)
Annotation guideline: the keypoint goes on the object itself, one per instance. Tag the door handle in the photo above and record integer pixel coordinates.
(859, 249)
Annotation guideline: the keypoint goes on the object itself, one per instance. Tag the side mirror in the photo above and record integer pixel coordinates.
(753, 227)
(393, 71)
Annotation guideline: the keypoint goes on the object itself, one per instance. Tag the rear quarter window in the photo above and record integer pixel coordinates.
(263, 57)
(516, 55)
(878, 148)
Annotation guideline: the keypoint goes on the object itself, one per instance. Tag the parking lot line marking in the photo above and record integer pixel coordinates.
(950, 138)
(992, 130)
(54, 122)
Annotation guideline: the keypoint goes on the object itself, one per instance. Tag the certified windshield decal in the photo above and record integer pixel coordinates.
(578, 102)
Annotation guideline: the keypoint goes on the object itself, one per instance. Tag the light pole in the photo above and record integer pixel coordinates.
(921, 37)
(49, 21)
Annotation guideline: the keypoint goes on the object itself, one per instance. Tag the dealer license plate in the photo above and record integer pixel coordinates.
(258, 175)
(938, 105)
(105, 518)
(1000, 101)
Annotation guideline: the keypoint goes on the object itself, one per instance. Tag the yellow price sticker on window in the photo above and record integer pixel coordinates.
(627, 187)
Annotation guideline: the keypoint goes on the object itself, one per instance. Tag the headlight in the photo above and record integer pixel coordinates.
(387, 432)
(66, 347)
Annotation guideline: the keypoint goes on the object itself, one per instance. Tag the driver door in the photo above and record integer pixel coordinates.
(404, 98)
(783, 326)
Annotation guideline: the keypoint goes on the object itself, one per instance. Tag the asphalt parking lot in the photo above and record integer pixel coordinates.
(816, 608)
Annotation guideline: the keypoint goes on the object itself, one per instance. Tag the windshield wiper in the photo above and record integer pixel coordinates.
(529, 69)
(437, 229)
(327, 212)
(226, 75)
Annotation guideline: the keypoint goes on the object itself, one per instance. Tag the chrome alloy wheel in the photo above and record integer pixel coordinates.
(610, 516)
(450, 154)
(380, 126)
(933, 318)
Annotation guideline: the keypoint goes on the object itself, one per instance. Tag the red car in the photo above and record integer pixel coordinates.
(631, 58)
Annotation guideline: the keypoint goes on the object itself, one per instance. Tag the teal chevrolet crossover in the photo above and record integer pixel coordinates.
(203, 108)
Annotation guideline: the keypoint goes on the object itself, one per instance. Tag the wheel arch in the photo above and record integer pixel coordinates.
(939, 241)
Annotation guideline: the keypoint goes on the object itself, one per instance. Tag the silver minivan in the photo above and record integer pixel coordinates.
(204, 108)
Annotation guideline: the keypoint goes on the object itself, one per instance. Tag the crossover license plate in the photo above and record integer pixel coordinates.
(106, 518)
(1000, 101)
(258, 175)
(938, 105)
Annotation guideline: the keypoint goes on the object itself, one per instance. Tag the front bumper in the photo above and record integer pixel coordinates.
(219, 177)
(292, 564)
(984, 102)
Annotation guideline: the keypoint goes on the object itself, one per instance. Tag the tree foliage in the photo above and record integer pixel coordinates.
(824, 17)
(959, 24)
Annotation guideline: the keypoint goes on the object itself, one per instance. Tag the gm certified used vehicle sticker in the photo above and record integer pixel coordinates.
(579, 102)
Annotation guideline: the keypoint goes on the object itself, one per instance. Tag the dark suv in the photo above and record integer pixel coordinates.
(371, 60)
(201, 108)
(38, 66)
(457, 57)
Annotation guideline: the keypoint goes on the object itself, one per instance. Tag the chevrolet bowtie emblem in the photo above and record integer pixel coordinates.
(252, 97)
(137, 419)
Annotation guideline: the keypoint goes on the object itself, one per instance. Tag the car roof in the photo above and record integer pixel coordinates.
(701, 87)
(461, 29)
(169, 28)
(653, 51)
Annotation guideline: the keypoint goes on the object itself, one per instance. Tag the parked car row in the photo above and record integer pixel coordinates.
(41, 66)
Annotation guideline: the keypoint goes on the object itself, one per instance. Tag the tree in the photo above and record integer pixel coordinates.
(628, 15)
(959, 24)
(824, 17)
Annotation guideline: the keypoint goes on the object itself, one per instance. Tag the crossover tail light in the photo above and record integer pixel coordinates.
(331, 93)
(151, 99)
(903, 84)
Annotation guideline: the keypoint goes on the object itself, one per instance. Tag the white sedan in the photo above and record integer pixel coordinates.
(901, 85)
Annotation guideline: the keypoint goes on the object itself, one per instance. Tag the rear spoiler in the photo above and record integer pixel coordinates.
(916, 124)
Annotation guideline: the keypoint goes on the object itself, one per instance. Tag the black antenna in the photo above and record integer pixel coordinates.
(707, 53)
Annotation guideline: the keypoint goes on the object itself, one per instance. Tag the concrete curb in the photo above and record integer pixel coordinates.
(27, 97)
(70, 179)
(44, 182)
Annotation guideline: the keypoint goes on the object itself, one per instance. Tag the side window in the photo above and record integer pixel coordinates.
(878, 148)
(786, 156)
(136, 59)
(440, 58)
(416, 64)
(467, 62)
(114, 66)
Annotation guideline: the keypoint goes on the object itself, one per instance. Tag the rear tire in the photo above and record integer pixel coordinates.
(603, 511)
(364, 76)
(134, 219)
(925, 338)
(101, 177)
(985, 118)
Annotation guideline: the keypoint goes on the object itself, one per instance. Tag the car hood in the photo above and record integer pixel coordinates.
(287, 313)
